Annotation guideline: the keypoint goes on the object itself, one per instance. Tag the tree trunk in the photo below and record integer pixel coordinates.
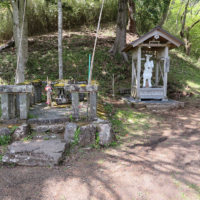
(188, 46)
(131, 12)
(60, 56)
(165, 12)
(20, 33)
(120, 40)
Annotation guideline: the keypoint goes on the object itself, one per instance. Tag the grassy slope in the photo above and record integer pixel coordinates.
(78, 44)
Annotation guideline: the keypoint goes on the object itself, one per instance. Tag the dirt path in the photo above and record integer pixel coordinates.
(158, 162)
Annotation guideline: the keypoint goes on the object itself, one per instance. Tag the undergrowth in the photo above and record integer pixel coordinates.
(5, 139)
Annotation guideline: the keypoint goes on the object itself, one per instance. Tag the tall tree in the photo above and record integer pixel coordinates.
(120, 40)
(165, 12)
(60, 27)
(20, 33)
(185, 29)
(132, 12)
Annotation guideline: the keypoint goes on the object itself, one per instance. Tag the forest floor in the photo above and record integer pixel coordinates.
(156, 155)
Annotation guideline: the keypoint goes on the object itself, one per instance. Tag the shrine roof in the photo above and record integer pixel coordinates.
(157, 34)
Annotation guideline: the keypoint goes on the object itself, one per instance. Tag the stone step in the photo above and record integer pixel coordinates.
(45, 121)
(34, 153)
(56, 128)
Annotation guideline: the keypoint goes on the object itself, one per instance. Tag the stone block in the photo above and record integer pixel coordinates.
(106, 134)
(16, 89)
(21, 132)
(87, 135)
(57, 128)
(36, 153)
(70, 132)
(93, 105)
(75, 105)
(24, 106)
(5, 131)
(5, 106)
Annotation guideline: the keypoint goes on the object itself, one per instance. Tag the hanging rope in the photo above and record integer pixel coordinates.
(22, 28)
(92, 62)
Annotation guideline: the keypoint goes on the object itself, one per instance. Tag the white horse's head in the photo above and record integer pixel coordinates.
(148, 57)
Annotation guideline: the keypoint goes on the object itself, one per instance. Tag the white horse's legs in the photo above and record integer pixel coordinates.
(149, 80)
(144, 81)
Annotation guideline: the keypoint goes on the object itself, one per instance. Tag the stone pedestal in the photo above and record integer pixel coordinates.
(93, 105)
(15, 98)
(5, 106)
(36, 93)
(32, 98)
(40, 93)
(24, 106)
(76, 90)
(75, 105)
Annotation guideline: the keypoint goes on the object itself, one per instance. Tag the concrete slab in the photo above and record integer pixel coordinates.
(154, 105)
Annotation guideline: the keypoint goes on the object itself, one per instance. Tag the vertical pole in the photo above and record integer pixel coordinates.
(89, 67)
(157, 69)
(132, 80)
(95, 45)
(138, 72)
(165, 75)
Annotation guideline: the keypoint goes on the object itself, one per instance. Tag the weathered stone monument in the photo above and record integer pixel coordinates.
(9, 101)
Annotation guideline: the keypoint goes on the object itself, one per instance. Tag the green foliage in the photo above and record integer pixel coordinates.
(71, 118)
(5, 139)
(13, 129)
(108, 107)
(0, 111)
(173, 24)
(76, 137)
(113, 144)
(148, 14)
(97, 139)
(43, 15)
(29, 137)
(46, 138)
(30, 116)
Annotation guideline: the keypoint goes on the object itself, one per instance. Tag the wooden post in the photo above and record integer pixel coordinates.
(133, 70)
(165, 75)
(138, 72)
(157, 70)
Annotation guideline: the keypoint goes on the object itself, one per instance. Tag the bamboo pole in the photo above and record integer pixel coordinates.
(92, 63)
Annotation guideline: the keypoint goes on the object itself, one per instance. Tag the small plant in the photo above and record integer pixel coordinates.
(76, 137)
(31, 116)
(28, 138)
(113, 144)
(5, 139)
(46, 138)
(97, 145)
(71, 117)
(13, 129)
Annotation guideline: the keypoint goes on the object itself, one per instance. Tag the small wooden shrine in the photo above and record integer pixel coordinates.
(149, 81)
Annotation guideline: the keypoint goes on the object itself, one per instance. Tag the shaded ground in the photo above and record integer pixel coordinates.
(157, 157)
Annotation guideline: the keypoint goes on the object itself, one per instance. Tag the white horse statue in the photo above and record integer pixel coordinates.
(148, 71)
